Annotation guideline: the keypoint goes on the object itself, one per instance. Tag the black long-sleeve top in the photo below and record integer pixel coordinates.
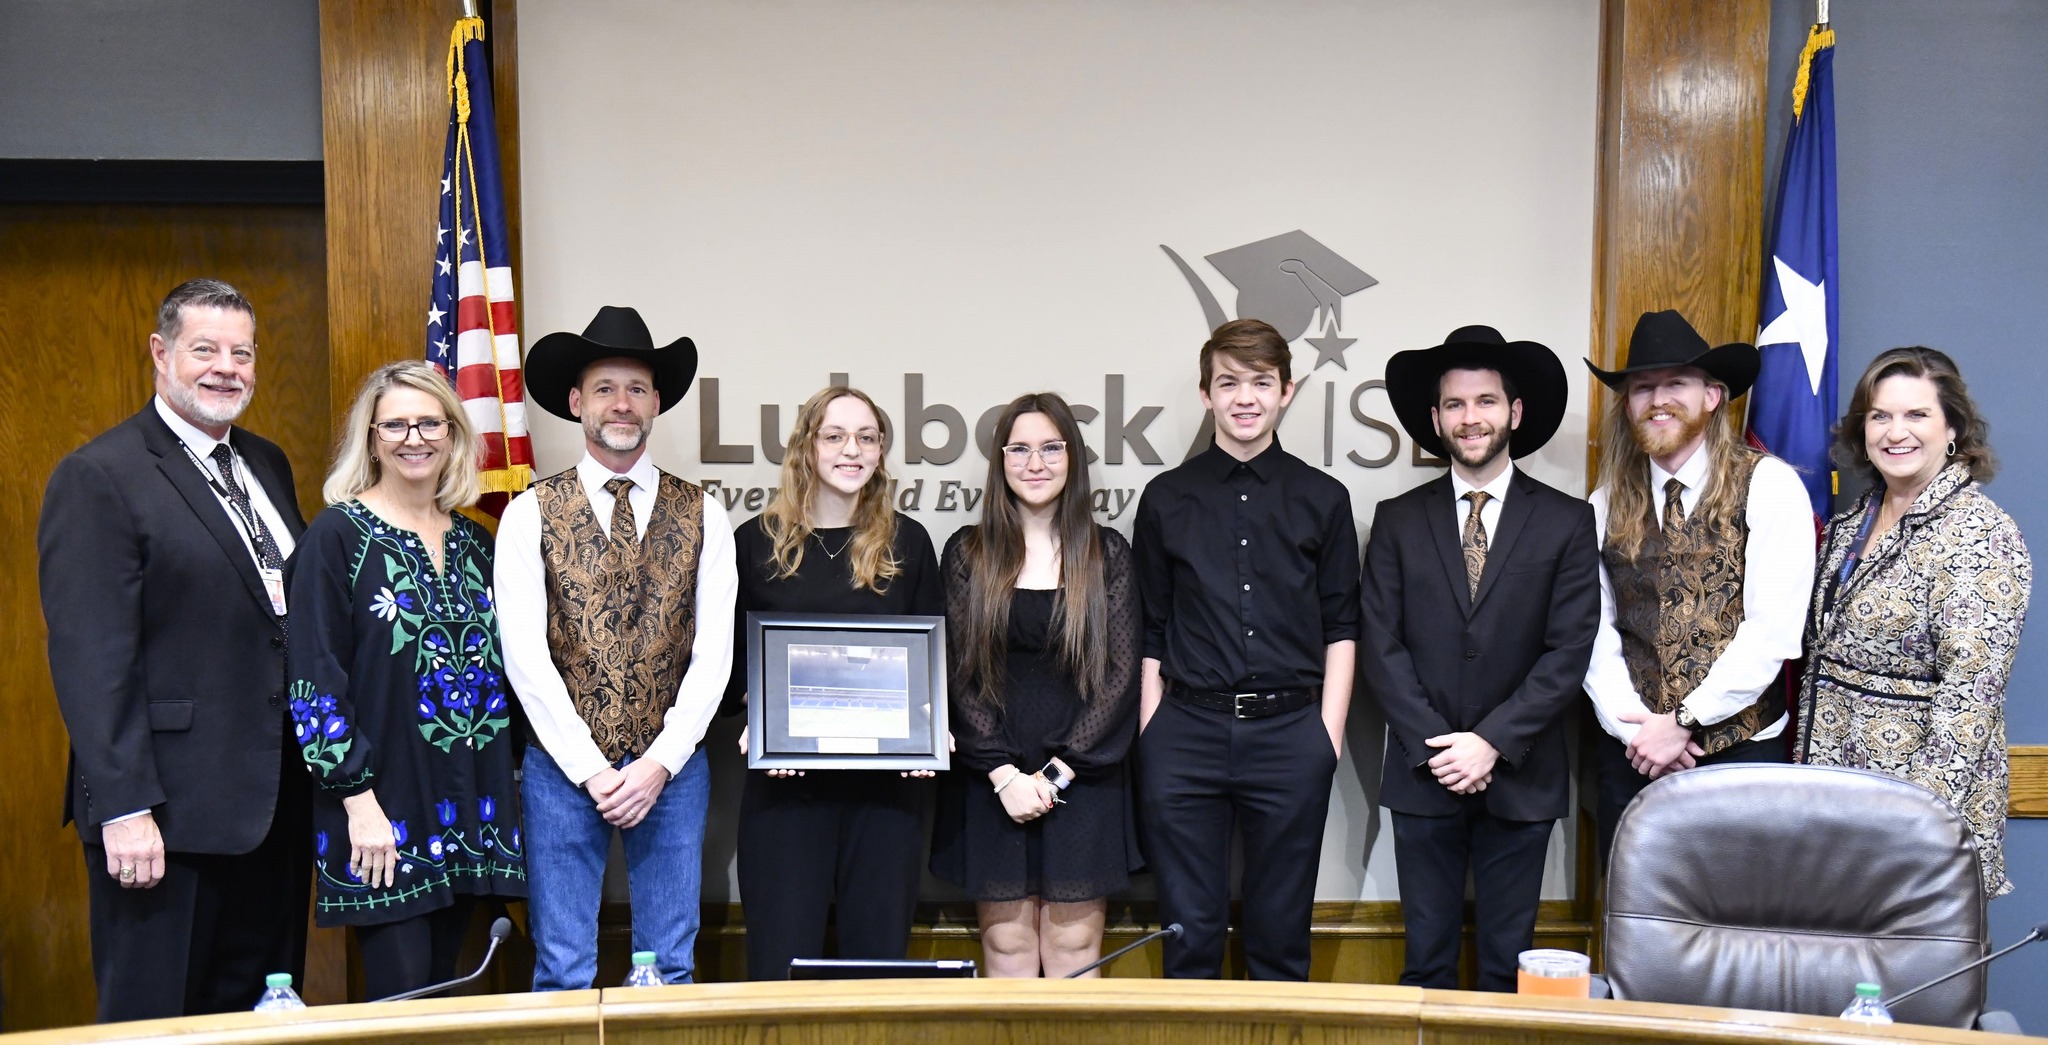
(1248, 571)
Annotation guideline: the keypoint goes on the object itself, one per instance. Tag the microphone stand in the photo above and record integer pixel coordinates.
(499, 930)
(1173, 930)
(2036, 933)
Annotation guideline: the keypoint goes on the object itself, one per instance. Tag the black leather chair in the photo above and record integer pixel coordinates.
(1780, 887)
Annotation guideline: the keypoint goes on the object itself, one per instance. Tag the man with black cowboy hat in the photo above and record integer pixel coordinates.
(1707, 550)
(1480, 600)
(615, 585)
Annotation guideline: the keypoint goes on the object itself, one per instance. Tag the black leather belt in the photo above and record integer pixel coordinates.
(1247, 705)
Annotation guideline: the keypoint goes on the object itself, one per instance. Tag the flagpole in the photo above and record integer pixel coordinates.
(1823, 19)
(469, 9)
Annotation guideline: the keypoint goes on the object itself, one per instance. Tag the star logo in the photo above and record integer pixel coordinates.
(434, 316)
(443, 262)
(1804, 321)
(444, 186)
(440, 233)
(1330, 349)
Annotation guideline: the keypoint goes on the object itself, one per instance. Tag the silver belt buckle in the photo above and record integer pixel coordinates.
(1238, 699)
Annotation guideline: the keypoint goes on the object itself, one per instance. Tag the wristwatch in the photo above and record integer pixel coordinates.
(1685, 719)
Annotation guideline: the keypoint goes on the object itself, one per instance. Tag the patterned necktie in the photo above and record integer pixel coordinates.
(1674, 506)
(622, 533)
(1475, 541)
(259, 535)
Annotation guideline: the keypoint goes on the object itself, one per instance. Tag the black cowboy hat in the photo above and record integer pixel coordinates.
(1539, 380)
(1664, 339)
(556, 362)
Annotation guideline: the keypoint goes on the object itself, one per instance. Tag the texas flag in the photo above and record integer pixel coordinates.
(1792, 405)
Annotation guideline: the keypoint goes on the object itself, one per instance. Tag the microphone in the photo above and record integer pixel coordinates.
(1173, 930)
(2037, 932)
(500, 929)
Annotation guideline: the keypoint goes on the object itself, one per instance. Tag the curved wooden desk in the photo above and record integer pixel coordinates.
(970, 1012)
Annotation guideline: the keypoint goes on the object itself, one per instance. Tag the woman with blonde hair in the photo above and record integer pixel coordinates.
(398, 696)
(1042, 622)
(1918, 601)
(830, 543)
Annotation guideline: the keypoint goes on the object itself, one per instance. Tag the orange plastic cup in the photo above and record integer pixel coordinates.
(1553, 973)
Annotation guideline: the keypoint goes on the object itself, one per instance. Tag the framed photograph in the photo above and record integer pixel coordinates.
(839, 691)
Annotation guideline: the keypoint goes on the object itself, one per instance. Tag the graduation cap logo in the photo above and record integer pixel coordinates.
(1290, 281)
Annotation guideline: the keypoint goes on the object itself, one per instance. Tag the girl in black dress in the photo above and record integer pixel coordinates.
(398, 695)
(1042, 628)
(830, 543)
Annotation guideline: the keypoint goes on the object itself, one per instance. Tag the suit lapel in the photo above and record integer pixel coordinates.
(1514, 518)
(275, 485)
(1450, 544)
(186, 478)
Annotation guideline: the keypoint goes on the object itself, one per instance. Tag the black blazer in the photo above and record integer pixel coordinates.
(1506, 665)
(168, 662)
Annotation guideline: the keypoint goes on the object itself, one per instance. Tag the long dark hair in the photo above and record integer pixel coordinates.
(994, 550)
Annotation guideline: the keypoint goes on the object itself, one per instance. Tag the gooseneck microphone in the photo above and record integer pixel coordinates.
(2037, 932)
(500, 929)
(1173, 930)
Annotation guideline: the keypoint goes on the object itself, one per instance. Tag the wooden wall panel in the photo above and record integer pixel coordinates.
(2029, 780)
(79, 287)
(385, 113)
(1680, 195)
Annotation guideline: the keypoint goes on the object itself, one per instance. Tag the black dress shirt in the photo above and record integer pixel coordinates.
(1248, 571)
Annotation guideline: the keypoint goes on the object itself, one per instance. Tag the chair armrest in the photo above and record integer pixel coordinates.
(1998, 1021)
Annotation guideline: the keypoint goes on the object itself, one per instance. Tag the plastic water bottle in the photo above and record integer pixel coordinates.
(278, 995)
(1867, 1008)
(644, 973)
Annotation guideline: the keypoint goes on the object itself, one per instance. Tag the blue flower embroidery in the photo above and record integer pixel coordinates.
(446, 810)
(398, 832)
(486, 809)
(320, 842)
(321, 730)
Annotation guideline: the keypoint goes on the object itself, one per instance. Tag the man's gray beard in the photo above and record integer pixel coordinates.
(606, 440)
(186, 399)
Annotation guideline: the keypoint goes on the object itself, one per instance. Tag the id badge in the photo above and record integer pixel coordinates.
(273, 582)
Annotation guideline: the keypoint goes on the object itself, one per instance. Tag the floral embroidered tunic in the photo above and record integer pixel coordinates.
(398, 686)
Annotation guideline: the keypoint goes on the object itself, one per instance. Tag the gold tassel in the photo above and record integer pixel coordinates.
(466, 29)
(509, 479)
(1817, 37)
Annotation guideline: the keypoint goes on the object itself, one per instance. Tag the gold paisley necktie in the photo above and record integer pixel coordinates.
(1674, 507)
(622, 513)
(1475, 541)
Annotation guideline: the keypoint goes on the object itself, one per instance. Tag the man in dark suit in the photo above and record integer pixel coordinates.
(1481, 598)
(162, 545)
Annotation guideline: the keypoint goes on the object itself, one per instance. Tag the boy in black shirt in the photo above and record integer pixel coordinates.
(1247, 558)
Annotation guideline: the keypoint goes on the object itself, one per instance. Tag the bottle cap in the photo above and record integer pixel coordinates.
(278, 979)
(1868, 990)
(643, 957)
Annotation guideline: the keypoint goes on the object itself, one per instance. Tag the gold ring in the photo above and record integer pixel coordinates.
(127, 874)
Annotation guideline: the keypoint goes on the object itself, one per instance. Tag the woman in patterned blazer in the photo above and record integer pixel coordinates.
(1920, 598)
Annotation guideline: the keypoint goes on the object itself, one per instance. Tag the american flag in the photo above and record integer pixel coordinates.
(472, 329)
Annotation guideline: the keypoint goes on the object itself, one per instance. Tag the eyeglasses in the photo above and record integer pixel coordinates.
(1051, 453)
(833, 438)
(431, 429)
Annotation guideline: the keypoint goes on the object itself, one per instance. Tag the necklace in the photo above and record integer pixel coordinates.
(829, 553)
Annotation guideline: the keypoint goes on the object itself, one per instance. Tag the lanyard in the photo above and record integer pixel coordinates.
(245, 513)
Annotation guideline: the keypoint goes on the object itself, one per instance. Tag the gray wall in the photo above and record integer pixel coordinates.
(1942, 140)
(160, 79)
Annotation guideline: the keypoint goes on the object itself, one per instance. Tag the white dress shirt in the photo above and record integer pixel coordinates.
(1777, 578)
(1496, 493)
(521, 584)
(202, 446)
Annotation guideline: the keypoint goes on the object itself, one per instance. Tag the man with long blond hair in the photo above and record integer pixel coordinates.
(1706, 550)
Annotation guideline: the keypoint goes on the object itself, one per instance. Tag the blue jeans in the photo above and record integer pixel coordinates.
(566, 845)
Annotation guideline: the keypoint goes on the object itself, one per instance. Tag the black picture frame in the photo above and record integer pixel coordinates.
(846, 691)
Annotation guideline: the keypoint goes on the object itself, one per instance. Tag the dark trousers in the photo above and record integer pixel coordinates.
(204, 937)
(1620, 783)
(1431, 857)
(411, 953)
(846, 837)
(1200, 770)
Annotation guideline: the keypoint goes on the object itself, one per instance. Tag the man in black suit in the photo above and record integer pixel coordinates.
(162, 546)
(1481, 598)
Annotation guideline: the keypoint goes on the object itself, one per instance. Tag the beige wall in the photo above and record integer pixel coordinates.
(978, 194)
